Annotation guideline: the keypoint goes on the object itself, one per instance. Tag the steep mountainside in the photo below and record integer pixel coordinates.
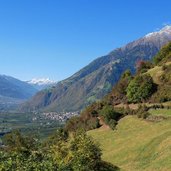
(13, 91)
(151, 83)
(96, 80)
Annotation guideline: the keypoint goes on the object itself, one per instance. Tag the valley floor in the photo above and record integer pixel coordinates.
(136, 144)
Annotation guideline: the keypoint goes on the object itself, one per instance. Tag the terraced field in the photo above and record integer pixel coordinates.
(162, 112)
(136, 144)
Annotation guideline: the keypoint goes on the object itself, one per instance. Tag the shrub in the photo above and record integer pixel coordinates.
(143, 66)
(140, 88)
(142, 112)
(109, 113)
(164, 54)
(143, 115)
(86, 155)
(112, 124)
(63, 153)
(110, 116)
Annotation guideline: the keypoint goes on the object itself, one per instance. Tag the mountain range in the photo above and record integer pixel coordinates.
(41, 83)
(14, 91)
(96, 79)
(14, 88)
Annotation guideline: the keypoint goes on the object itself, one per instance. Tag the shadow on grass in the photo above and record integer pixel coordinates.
(105, 166)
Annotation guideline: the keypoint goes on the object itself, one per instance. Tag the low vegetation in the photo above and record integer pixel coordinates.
(136, 144)
(60, 152)
(164, 55)
(140, 88)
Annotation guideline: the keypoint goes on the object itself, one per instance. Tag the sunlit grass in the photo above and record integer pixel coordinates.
(137, 145)
(163, 112)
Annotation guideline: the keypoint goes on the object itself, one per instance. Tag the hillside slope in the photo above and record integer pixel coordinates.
(14, 88)
(137, 136)
(150, 84)
(14, 91)
(97, 79)
(136, 144)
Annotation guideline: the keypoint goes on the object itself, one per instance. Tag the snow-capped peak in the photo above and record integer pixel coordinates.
(164, 31)
(41, 81)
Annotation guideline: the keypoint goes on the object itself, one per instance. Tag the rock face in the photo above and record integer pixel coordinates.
(96, 79)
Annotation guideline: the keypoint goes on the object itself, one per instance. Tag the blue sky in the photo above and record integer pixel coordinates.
(56, 38)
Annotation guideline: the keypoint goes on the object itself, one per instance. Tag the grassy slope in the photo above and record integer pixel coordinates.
(156, 72)
(162, 112)
(132, 147)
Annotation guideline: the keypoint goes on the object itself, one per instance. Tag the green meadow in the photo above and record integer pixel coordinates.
(136, 144)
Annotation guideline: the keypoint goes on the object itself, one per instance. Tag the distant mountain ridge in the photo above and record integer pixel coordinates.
(41, 83)
(96, 79)
(14, 91)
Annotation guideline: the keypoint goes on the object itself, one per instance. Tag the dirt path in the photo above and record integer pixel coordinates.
(131, 106)
(103, 124)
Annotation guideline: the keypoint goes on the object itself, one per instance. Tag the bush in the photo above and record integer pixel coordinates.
(164, 55)
(63, 153)
(140, 88)
(109, 113)
(110, 116)
(112, 124)
(143, 66)
(142, 112)
(85, 154)
(143, 115)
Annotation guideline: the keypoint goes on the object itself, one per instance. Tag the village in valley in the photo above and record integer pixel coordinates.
(54, 116)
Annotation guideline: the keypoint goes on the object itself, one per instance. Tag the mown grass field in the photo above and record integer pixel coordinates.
(136, 144)
(162, 112)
